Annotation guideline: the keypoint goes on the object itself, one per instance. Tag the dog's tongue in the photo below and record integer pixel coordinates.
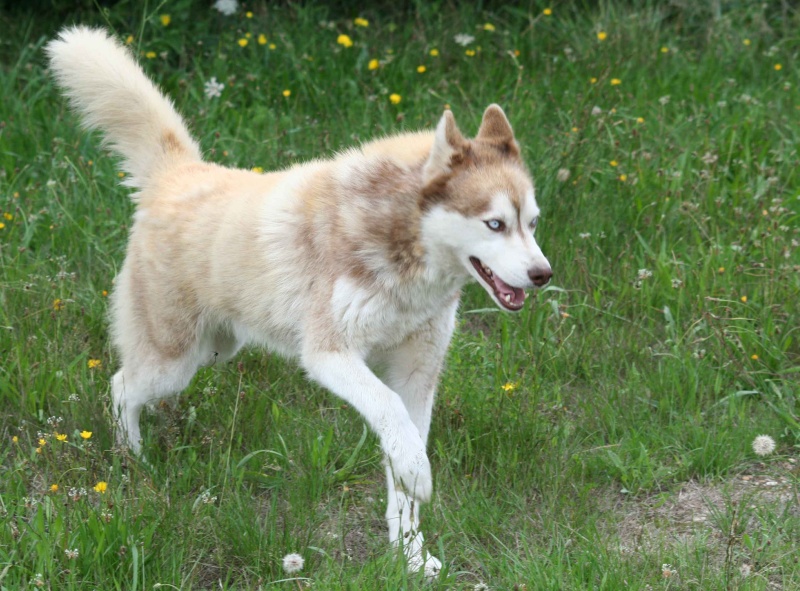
(503, 289)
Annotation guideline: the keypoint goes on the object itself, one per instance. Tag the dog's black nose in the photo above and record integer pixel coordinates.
(540, 275)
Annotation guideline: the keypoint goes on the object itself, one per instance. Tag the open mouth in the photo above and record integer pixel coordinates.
(511, 298)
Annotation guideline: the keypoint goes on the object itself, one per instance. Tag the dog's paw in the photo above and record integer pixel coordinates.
(430, 565)
(411, 469)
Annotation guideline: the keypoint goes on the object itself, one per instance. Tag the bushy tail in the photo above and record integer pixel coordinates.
(106, 85)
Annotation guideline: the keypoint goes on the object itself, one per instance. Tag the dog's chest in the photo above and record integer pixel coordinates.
(381, 319)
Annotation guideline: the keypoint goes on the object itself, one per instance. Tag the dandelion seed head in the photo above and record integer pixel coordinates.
(293, 563)
(763, 445)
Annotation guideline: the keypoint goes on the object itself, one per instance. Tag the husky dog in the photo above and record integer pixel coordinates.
(343, 264)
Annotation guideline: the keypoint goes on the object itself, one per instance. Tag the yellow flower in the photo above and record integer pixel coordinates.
(488, 27)
(8, 216)
(593, 80)
(640, 120)
(61, 436)
(778, 67)
(574, 130)
(128, 39)
(601, 35)
(623, 177)
(287, 93)
(744, 299)
(58, 304)
(509, 387)
(101, 487)
(165, 19)
(38, 450)
(361, 22)
(373, 64)
(42, 442)
(242, 42)
(344, 40)
(94, 363)
(272, 46)
(262, 39)
(746, 41)
(421, 69)
(613, 163)
(547, 11)
(721, 270)
(2, 225)
(248, 14)
(615, 81)
(470, 52)
(53, 488)
(15, 439)
(516, 53)
(754, 357)
(434, 52)
(665, 49)
(121, 174)
(104, 293)
(395, 98)
(248, 35)
(150, 55)
(86, 434)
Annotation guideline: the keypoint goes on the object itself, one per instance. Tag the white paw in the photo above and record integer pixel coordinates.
(431, 565)
(411, 469)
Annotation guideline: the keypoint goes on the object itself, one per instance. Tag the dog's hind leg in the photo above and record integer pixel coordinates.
(412, 370)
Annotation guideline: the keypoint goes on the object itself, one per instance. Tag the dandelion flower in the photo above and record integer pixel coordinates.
(86, 434)
(601, 35)
(614, 163)
(128, 39)
(53, 488)
(488, 27)
(746, 41)
(640, 120)
(421, 69)
(262, 39)
(242, 42)
(94, 363)
(293, 563)
(744, 299)
(470, 52)
(101, 487)
(373, 64)
(754, 357)
(665, 49)
(61, 436)
(616, 82)
(165, 19)
(42, 442)
(258, 169)
(434, 52)
(592, 80)
(287, 93)
(227, 7)
(248, 14)
(15, 439)
(509, 387)
(778, 67)
(463, 39)
(8, 216)
(212, 88)
(272, 46)
(361, 22)
(763, 445)
(721, 270)
(150, 55)
(344, 40)
(395, 98)
(623, 177)
(547, 12)
(2, 225)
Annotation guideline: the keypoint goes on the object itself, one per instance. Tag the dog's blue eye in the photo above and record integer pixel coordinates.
(495, 225)
(534, 222)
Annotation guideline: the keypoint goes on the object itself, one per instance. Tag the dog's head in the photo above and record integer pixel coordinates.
(479, 208)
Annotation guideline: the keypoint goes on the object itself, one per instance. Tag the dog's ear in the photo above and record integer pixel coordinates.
(447, 142)
(496, 130)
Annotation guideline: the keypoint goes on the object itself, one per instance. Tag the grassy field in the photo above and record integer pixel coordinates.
(601, 439)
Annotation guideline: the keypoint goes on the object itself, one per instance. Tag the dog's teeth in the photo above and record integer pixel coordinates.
(508, 298)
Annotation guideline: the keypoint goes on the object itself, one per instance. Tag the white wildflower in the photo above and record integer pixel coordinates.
(667, 571)
(464, 39)
(677, 283)
(227, 7)
(664, 100)
(763, 445)
(71, 554)
(293, 563)
(644, 274)
(213, 88)
(562, 175)
(596, 111)
(585, 235)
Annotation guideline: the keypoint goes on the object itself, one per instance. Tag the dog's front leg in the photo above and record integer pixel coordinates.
(412, 370)
(347, 375)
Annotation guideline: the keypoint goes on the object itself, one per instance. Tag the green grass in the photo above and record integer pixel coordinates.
(622, 439)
